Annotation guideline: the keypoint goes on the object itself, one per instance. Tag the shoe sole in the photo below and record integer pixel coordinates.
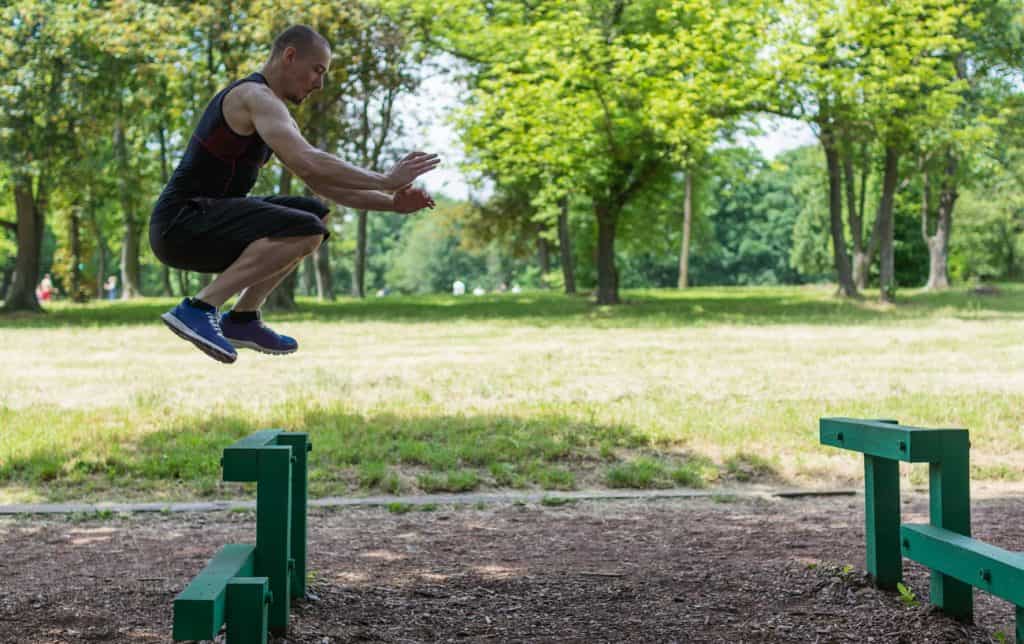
(243, 344)
(182, 331)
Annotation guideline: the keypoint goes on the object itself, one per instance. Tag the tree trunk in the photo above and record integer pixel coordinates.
(324, 280)
(844, 275)
(130, 245)
(308, 270)
(22, 294)
(184, 283)
(5, 281)
(543, 255)
(282, 298)
(77, 293)
(886, 242)
(607, 279)
(165, 282)
(565, 248)
(130, 287)
(684, 252)
(938, 243)
(359, 274)
(101, 251)
(165, 276)
(861, 259)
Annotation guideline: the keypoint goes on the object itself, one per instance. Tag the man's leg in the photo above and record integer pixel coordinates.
(252, 298)
(263, 260)
(243, 327)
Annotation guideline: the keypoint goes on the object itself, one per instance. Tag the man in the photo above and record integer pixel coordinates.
(204, 221)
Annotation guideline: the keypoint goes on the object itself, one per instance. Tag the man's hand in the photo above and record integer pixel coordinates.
(409, 200)
(413, 165)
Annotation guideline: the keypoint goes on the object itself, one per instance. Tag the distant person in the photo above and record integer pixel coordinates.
(459, 288)
(110, 288)
(44, 292)
(205, 221)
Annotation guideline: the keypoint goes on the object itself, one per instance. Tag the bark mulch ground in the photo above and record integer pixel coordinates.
(694, 570)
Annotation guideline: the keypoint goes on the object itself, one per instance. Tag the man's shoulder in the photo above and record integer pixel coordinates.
(253, 93)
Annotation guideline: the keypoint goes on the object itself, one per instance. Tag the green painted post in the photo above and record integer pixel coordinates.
(882, 516)
(299, 442)
(273, 529)
(1020, 624)
(949, 495)
(247, 599)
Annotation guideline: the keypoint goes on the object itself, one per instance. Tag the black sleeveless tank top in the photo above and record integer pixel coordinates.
(218, 162)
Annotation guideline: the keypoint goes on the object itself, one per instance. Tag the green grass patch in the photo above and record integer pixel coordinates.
(535, 391)
(397, 507)
(457, 481)
(555, 501)
(553, 478)
(746, 467)
(642, 473)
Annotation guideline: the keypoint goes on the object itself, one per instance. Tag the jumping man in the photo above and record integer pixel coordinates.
(205, 222)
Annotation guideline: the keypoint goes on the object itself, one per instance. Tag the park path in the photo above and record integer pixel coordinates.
(722, 569)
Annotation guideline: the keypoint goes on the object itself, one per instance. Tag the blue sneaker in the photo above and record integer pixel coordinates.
(201, 328)
(257, 336)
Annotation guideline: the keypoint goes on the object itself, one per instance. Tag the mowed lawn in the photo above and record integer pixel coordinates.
(711, 387)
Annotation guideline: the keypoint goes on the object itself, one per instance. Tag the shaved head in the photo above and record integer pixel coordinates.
(301, 38)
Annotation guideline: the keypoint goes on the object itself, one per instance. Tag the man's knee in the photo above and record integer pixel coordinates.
(312, 242)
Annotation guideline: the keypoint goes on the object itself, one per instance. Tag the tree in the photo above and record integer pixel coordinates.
(39, 104)
(861, 73)
(382, 70)
(598, 97)
(987, 71)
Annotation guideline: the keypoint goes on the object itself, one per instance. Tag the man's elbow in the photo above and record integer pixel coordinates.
(307, 170)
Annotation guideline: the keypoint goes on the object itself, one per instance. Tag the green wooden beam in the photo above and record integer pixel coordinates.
(1020, 623)
(301, 446)
(247, 601)
(241, 459)
(882, 520)
(274, 527)
(886, 439)
(199, 610)
(972, 562)
(949, 499)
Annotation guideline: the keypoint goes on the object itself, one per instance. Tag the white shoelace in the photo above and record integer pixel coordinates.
(214, 319)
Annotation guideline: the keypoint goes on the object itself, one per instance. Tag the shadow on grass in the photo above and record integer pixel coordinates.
(670, 308)
(356, 454)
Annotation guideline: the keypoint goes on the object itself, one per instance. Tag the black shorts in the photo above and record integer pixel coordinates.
(207, 235)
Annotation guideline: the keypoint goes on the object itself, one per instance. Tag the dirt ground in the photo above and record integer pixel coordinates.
(694, 570)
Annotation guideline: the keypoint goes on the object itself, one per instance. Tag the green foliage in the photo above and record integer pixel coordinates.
(989, 243)
(907, 595)
(428, 257)
(554, 501)
(746, 467)
(455, 481)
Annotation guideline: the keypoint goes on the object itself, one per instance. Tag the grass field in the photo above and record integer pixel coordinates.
(537, 390)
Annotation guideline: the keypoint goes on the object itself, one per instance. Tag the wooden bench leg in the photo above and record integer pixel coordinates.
(950, 508)
(247, 601)
(882, 515)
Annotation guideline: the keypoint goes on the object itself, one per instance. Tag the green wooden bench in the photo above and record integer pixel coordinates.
(958, 563)
(250, 587)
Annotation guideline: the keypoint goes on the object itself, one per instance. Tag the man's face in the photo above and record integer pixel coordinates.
(306, 71)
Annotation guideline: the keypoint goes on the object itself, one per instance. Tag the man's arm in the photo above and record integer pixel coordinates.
(325, 173)
(406, 201)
